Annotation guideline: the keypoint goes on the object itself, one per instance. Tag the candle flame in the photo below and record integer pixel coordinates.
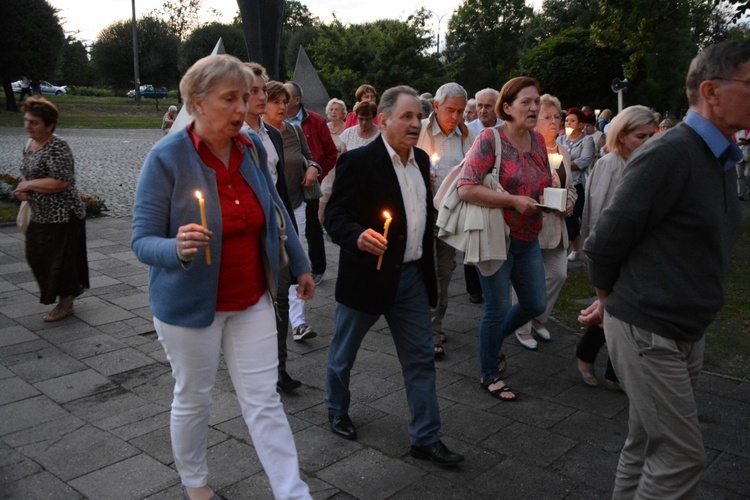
(435, 158)
(198, 195)
(386, 215)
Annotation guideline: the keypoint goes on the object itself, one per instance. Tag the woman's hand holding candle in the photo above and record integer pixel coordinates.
(190, 238)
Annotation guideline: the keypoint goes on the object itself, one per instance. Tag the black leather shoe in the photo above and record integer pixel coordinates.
(476, 298)
(438, 453)
(287, 384)
(343, 426)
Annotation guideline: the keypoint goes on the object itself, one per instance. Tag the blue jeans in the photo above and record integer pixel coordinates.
(409, 322)
(524, 270)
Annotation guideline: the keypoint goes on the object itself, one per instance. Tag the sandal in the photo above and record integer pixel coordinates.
(501, 363)
(498, 393)
(443, 338)
(58, 313)
(587, 373)
(439, 352)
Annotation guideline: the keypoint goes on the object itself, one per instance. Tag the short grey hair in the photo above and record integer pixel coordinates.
(207, 73)
(450, 89)
(720, 61)
(335, 102)
(629, 119)
(471, 103)
(390, 97)
(550, 100)
(297, 90)
(495, 94)
(172, 109)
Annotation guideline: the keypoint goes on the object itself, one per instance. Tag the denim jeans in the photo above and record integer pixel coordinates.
(409, 322)
(523, 269)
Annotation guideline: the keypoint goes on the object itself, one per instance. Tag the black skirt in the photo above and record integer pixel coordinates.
(56, 254)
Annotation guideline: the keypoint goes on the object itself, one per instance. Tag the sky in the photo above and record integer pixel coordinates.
(84, 19)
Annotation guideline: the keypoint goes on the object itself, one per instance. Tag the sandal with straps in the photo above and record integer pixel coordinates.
(497, 393)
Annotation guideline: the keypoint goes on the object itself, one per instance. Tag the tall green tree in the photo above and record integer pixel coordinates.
(383, 53)
(75, 67)
(572, 67)
(183, 16)
(112, 54)
(485, 40)
(32, 40)
(202, 41)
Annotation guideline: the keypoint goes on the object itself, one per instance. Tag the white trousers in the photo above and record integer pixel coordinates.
(248, 341)
(297, 305)
(555, 273)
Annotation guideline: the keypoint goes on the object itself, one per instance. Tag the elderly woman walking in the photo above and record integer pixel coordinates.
(208, 303)
(56, 235)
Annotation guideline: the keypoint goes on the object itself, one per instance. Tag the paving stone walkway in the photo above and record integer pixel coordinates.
(84, 403)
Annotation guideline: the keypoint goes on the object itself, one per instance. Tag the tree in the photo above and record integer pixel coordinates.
(297, 15)
(112, 54)
(202, 41)
(32, 38)
(383, 53)
(485, 40)
(564, 65)
(182, 16)
(75, 67)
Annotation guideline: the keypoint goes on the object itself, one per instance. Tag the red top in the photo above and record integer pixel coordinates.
(242, 279)
(351, 120)
(521, 173)
(320, 142)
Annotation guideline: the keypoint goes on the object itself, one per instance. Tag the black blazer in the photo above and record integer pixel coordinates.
(365, 186)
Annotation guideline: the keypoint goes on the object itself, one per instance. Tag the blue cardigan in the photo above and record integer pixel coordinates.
(165, 200)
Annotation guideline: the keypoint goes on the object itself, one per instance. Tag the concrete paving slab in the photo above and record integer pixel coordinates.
(133, 478)
(76, 385)
(41, 486)
(16, 334)
(15, 389)
(118, 361)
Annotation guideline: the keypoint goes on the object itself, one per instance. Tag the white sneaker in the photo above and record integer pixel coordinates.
(529, 343)
(303, 332)
(542, 332)
(573, 256)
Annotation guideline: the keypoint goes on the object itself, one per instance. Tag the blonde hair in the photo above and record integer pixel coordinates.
(629, 119)
(550, 100)
(207, 73)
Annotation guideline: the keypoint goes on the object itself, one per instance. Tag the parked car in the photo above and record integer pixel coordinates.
(47, 88)
(149, 92)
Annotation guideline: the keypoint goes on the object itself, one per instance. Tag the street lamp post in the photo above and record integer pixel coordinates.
(136, 71)
(439, 18)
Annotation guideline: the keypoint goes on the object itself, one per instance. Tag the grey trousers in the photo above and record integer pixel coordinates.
(663, 455)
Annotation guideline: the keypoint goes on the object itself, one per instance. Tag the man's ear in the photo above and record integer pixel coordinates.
(707, 90)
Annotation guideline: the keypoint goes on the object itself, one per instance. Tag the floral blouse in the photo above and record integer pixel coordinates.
(54, 160)
(521, 173)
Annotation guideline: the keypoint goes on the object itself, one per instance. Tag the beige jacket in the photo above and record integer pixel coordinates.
(554, 232)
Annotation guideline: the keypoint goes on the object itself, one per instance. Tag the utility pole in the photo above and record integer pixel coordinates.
(136, 71)
(439, 18)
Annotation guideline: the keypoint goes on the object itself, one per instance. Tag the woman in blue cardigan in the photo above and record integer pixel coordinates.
(212, 284)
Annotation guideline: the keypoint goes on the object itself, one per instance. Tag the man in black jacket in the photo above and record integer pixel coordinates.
(393, 276)
(658, 258)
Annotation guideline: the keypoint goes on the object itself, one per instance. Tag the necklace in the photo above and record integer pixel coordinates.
(553, 148)
(337, 130)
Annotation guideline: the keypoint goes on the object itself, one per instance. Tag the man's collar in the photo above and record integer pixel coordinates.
(437, 130)
(393, 154)
(722, 148)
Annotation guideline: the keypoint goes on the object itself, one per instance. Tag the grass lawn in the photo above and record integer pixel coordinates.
(727, 338)
(98, 112)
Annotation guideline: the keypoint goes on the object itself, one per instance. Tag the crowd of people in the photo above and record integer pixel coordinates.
(271, 174)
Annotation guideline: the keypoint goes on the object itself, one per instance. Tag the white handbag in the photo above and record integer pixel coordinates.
(24, 216)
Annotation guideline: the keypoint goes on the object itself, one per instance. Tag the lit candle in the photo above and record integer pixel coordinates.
(435, 159)
(202, 204)
(385, 235)
(554, 160)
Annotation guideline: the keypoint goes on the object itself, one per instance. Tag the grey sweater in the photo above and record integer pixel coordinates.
(662, 246)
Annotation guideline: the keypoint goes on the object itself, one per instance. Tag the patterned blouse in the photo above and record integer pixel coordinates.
(54, 159)
(521, 173)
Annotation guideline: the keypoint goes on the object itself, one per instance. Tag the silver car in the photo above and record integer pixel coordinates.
(47, 88)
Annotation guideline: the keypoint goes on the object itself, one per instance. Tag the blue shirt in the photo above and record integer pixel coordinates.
(297, 120)
(726, 151)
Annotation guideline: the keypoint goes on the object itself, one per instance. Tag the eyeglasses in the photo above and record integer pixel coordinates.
(746, 83)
